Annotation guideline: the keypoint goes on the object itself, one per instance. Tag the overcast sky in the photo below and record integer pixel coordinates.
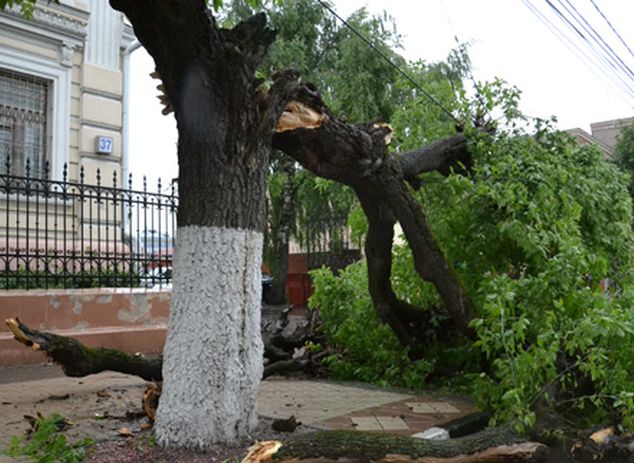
(507, 40)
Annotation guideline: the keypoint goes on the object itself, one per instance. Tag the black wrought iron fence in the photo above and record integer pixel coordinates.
(85, 232)
(328, 242)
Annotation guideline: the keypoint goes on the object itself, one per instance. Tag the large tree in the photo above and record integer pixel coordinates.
(226, 122)
(547, 329)
(213, 354)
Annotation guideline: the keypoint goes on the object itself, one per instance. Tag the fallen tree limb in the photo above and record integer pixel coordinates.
(499, 445)
(357, 155)
(78, 360)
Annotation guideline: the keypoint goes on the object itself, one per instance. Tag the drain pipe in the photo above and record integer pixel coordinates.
(125, 149)
(125, 153)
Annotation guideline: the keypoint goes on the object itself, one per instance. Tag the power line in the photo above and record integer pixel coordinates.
(575, 49)
(603, 44)
(606, 54)
(579, 53)
(612, 27)
(389, 61)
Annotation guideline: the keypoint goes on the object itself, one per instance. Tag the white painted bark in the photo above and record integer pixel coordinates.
(212, 362)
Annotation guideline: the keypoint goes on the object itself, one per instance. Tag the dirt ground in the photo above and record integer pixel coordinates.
(105, 408)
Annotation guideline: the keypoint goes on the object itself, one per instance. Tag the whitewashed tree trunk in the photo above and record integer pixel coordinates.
(214, 328)
(213, 355)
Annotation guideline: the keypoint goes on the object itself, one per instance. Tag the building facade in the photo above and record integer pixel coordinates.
(61, 89)
(604, 134)
(62, 163)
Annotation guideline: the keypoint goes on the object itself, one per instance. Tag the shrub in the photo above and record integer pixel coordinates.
(534, 232)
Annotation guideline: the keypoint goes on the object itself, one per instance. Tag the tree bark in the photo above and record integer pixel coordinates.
(78, 360)
(213, 354)
(277, 293)
(357, 156)
(499, 445)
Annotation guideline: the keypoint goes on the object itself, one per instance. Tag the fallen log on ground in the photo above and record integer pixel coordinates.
(499, 445)
(78, 360)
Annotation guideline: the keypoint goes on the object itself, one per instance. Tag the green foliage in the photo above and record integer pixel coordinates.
(46, 445)
(26, 6)
(369, 350)
(218, 4)
(534, 232)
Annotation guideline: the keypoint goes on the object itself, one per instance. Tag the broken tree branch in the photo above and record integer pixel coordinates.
(440, 156)
(499, 445)
(357, 155)
(79, 360)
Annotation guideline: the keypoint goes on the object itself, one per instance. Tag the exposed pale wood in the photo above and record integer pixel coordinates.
(493, 446)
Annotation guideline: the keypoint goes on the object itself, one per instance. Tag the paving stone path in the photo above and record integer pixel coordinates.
(329, 405)
(318, 404)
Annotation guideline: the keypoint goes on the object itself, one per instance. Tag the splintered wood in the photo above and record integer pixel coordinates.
(297, 115)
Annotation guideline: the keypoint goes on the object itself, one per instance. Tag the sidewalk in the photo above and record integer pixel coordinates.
(98, 404)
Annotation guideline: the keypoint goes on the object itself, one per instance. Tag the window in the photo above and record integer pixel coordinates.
(24, 102)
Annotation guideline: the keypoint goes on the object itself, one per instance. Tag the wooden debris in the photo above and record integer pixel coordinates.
(125, 432)
(262, 452)
(151, 398)
(287, 425)
(298, 115)
(601, 437)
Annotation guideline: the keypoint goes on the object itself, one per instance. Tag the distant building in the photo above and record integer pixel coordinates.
(604, 134)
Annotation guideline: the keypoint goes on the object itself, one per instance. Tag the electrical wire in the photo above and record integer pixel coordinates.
(389, 61)
(600, 56)
(612, 27)
(580, 54)
(606, 54)
(574, 48)
(603, 44)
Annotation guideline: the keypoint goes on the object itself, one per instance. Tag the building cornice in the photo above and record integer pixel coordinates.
(61, 20)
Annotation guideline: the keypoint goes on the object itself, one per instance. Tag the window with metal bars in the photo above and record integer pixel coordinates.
(24, 107)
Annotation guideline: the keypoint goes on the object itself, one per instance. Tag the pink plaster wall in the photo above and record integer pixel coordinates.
(133, 320)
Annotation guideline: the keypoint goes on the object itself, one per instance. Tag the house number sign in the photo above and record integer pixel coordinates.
(103, 145)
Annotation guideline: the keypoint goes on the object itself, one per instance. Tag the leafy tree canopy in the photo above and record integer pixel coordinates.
(536, 231)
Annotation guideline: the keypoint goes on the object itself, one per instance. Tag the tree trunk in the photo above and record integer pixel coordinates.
(277, 293)
(357, 155)
(212, 360)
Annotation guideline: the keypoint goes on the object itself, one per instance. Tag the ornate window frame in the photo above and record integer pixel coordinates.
(60, 100)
